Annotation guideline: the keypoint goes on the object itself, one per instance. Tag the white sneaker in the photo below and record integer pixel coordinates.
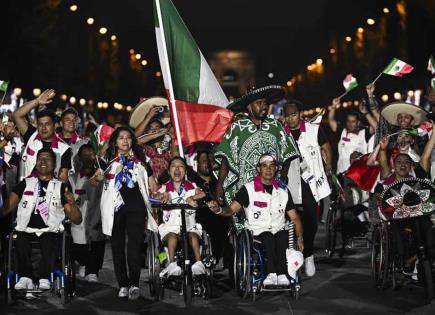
(283, 280)
(24, 284)
(123, 292)
(81, 271)
(92, 277)
(173, 269)
(133, 293)
(44, 284)
(198, 268)
(310, 268)
(271, 279)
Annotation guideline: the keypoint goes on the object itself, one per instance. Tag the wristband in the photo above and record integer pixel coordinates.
(220, 211)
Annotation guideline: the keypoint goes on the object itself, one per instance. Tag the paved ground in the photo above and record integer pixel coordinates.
(341, 286)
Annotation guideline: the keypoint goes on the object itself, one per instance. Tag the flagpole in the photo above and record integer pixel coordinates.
(342, 95)
(379, 75)
(170, 86)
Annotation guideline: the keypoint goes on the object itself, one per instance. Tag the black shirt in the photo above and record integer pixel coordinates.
(132, 197)
(65, 161)
(208, 187)
(36, 221)
(242, 197)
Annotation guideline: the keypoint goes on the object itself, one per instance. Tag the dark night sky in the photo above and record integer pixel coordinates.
(284, 35)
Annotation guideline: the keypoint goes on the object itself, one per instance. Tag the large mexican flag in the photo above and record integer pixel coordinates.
(199, 100)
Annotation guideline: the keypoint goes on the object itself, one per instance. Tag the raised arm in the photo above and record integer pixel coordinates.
(427, 152)
(370, 118)
(373, 103)
(383, 159)
(331, 114)
(20, 114)
(140, 129)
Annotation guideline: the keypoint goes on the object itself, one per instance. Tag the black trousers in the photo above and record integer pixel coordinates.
(275, 245)
(48, 243)
(309, 218)
(90, 255)
(217, 227)
(132, 224)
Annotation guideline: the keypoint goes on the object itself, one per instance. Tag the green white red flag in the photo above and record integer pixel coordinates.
(199, 99)
(398, 68)
(349, 82)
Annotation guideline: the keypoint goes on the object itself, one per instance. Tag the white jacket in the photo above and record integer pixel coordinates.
(265, 213)
(33, 146)
(111, 198)
(28, 203)
(349, 143)
(312, 166)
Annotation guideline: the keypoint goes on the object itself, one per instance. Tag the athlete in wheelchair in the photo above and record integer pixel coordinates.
(403, 241)
(180, 234)
(263, 247)
(43, 204)
(348, 213)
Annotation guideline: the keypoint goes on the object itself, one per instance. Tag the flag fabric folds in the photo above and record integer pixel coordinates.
(349, 82)
(199, 99)
(4, 86)
(398, 68)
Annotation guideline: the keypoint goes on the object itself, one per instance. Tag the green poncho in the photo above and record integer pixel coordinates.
(243, 145)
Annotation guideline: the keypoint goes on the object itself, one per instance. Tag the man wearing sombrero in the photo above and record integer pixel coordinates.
(247, 139)
(402, 116)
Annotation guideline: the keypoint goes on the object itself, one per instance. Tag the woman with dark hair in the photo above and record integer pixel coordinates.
(127, 181)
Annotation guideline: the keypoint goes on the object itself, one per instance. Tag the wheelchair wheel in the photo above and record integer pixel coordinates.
(10, 275)
(187, 286)
(331, 232)
(380, 256)
(153, 265)
(67, 292)
(233, 267)
(243, 264)
(425, 270)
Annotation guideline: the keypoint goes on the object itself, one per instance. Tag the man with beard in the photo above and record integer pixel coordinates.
(247, 139)
(216, 226)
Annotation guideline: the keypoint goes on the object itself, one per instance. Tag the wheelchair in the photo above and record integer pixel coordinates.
(387, 262)
(341, 218)
(250, 265)
(188, 284)
(62, 278)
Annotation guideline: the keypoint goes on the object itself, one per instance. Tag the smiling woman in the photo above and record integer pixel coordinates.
(127, 181)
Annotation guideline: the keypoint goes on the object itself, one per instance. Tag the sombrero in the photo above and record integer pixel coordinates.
(391, 111)
(272, 93)
(408, 198)
(139, 112)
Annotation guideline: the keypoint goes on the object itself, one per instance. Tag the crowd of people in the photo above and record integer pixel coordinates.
(272, 170)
